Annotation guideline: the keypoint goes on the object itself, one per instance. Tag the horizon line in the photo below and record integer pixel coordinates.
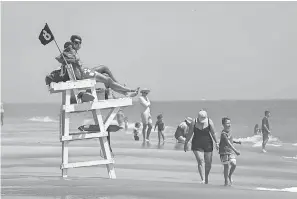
(200, 100)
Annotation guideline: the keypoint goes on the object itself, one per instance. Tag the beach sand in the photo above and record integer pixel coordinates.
(31, 160)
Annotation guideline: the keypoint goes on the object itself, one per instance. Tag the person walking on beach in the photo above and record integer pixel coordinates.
(2, 114)
(182, 130)
(265, 130)
(145, 113)
(202, 142)
(227, 150)
(161, 127)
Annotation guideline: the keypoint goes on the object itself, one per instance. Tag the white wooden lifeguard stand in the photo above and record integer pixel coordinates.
(95, 106)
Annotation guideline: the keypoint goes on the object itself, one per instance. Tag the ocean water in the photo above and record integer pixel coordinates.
(43, 118)
(244, 115)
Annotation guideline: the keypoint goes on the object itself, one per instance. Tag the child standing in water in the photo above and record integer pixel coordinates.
(126, 123)
(136, 131)
(227, 150)
(161, 127)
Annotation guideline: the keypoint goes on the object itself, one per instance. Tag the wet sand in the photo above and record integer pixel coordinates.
(30, 169)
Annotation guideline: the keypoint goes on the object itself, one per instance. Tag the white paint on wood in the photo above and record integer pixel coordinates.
(87, 164)
(101, 104)
(79, 84)
(110, 117)
(107, 155)
(82, 136)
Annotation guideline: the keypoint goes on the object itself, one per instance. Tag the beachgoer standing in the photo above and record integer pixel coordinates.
(136, 131)
(126, 123)
(257, 130)
(161, 126)
(182, 130)
(120, 118)
(265, 130)
(145, 113)
(227, 150)
(2, 114)
(202, 142)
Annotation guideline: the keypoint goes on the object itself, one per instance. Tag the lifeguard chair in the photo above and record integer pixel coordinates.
(74, 86)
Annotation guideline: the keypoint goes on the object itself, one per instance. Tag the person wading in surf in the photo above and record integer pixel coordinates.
(202, 143)
(227, 151)
(265, 130)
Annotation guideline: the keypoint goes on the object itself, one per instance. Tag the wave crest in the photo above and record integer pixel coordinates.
(295, 158)
(42, 119)
(256, 140)
(290, 189)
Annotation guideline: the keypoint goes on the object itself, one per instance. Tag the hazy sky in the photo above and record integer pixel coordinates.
(180, 50)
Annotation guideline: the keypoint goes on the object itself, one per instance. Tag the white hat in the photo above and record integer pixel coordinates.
(145, 90)
(202, 116)
(188, 119)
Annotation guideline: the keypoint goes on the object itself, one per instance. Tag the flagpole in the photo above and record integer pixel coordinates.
(60, 51)
(67, 65)
(47, 34)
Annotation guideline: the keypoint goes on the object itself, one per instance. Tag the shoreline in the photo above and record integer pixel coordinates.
(32, 170)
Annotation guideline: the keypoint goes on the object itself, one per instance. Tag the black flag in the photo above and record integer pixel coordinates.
(46, 35)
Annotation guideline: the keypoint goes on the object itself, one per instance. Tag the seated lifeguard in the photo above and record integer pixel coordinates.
(71, 56)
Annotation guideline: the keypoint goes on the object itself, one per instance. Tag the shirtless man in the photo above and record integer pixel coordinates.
(265, 130)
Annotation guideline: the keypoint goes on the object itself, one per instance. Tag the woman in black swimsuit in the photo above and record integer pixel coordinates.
(202, 142)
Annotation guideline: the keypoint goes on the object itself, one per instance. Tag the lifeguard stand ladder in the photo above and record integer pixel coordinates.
(95, 106)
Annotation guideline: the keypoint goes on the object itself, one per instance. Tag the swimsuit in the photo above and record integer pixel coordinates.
(202, 140)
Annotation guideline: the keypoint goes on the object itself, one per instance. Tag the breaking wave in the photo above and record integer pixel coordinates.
(42, 119)
(256, 140)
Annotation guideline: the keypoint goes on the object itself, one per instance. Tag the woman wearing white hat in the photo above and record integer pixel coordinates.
(202, 142)
(145, 114)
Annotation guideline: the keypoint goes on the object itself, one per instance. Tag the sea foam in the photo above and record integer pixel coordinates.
(290, 189)
(256, 140)
(42, 119)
